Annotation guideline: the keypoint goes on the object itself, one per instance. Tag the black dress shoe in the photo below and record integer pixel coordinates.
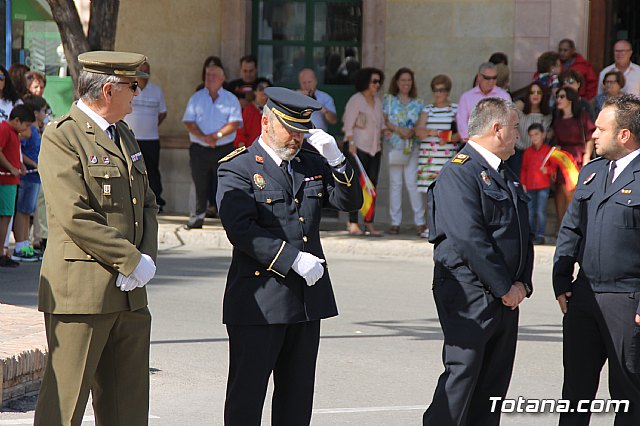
(194, 224)
(212, 213)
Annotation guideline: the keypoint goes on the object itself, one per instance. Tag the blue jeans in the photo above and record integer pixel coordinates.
(538, 210)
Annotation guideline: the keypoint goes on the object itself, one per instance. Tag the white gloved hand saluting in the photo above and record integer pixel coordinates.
(326, 146)
(308, 267)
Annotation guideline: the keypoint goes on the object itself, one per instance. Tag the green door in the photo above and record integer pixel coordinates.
(325, 36)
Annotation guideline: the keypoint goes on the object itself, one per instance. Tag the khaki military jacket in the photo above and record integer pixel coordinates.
(101, 214)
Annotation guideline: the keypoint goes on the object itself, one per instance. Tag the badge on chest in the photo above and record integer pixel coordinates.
(106, 189)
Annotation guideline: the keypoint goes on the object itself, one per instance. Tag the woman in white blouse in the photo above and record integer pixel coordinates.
(363, 124)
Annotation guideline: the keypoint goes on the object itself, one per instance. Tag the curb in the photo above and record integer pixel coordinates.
(173, 236)
(339, 242)
(21, 369)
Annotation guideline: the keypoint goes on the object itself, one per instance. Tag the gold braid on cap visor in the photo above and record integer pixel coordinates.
(288, 117)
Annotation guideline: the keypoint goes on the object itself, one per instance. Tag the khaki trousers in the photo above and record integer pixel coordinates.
(107, 354)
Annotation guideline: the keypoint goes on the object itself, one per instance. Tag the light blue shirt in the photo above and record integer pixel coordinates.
(317, 118)
(212, 116)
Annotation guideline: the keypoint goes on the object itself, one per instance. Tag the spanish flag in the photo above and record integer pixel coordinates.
(566, 164)
(368, 193)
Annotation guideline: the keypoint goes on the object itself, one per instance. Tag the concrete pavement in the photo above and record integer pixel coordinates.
(379, 359)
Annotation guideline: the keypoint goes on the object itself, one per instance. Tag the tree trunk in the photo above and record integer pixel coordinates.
(102, 29)
(73, 39)
(103, 24)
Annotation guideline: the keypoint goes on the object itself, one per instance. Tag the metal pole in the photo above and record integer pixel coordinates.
(8, 33)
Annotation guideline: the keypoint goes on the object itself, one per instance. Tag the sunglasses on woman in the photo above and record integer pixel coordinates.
(535, 92)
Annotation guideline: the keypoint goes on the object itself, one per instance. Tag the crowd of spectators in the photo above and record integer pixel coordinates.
(558, 108)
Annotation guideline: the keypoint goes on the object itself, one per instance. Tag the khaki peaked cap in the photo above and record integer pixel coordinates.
(124, 64)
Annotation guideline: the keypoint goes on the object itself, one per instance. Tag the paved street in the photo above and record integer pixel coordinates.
(379, 360)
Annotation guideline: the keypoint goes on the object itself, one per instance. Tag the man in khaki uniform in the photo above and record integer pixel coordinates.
(100, 253)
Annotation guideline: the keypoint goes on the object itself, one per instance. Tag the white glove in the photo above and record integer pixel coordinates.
(326, 146)
(145, 270)
(125, 283)
(308, 267)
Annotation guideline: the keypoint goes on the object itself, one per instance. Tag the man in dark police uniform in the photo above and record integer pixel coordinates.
(483, 265)
(601, 232)
(270, 198)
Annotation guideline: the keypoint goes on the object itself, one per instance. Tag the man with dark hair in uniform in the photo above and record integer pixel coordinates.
(270, 197)
(483, 265)
(601, 232)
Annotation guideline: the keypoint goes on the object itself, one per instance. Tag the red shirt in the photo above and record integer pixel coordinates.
(530, 174)
(251, 126)
(10, 148)
(590, 87)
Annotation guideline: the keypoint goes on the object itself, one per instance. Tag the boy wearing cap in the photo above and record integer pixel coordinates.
(100, 253)
(270, 197)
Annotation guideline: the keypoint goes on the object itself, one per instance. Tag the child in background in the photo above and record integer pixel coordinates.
(29, 187)
(20, 119)
(536, 179)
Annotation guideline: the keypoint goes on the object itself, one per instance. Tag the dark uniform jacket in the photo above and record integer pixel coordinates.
(269, 225)
(479, 225)
(601, 231)
(101, 215)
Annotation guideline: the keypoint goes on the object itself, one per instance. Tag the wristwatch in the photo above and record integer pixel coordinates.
(219, 135)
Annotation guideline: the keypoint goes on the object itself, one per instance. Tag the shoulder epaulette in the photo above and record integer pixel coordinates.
(233, 154)
(58, 121)
(460, 159)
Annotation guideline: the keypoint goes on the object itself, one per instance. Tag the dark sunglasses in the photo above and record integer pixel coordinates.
(375, 81)
(486, 77)
(440, 91)
(132, 85)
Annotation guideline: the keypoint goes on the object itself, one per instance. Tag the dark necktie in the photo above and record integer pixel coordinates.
(284, 165)
(114, 135)
(502, 171)
(612, 168)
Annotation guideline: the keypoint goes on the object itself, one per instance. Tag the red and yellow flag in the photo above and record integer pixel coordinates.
(368, 193)
(566, 164)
